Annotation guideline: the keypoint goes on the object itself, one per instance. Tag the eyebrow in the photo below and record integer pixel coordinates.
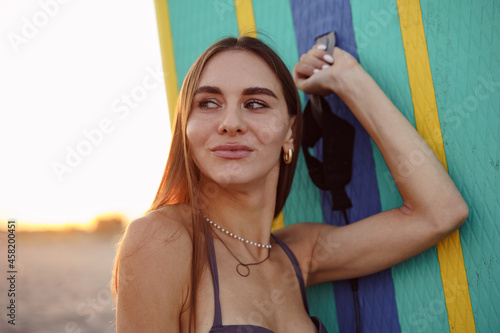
(208, 89)
(259, 91)
(248, 91)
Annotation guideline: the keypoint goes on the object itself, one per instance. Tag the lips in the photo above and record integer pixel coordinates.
(232, 151)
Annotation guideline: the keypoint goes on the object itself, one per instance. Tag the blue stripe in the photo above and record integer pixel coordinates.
(376, 292)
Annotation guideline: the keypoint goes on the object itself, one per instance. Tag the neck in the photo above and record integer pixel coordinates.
(247, 212)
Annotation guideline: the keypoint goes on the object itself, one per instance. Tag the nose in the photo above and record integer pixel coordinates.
(232, 121)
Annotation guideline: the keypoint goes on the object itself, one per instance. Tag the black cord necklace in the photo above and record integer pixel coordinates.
(243, 269)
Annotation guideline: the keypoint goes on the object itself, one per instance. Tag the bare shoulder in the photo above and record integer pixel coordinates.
(153, 272)
(160, 238)
(164, 226)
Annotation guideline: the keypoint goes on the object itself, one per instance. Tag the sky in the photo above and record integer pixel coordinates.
(84, 126)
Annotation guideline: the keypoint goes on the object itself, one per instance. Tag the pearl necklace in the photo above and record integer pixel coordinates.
(244, 269)
(268, 246)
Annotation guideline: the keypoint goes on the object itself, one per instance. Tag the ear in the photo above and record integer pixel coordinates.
(290, 134)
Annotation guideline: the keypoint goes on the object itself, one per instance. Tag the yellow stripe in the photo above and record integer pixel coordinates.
(453, 274)
(245, 17)
(167, 56)
(279, 222)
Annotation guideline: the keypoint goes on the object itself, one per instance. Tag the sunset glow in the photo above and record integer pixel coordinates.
(85, 125)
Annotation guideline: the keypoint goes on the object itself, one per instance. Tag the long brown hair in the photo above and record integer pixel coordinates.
(181, 179)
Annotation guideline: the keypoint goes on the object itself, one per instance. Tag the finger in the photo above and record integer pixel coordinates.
(322, 55)
(303, 70)
(307, 85)
(320, 47)
(313, 60)
(317, 58)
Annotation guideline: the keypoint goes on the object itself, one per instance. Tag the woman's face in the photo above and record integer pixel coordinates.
(239, 123)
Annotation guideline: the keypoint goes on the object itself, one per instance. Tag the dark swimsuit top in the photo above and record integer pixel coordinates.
(217, 326)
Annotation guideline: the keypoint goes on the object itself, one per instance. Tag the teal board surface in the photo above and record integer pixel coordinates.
(195, 26)
(464, 47)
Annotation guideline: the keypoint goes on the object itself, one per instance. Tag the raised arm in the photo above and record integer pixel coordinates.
(432, 208)
(153, 270)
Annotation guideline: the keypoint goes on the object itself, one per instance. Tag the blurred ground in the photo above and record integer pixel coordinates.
(63, 282)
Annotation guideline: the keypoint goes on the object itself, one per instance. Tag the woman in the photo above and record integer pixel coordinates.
(203, 259)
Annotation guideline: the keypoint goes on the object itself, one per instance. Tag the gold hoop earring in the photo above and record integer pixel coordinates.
(287, 157)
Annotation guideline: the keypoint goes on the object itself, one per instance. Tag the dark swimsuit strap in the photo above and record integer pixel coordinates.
(215, 275)
(297, 269)
(215, 278)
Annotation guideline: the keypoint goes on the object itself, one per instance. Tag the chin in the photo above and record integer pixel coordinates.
(233, 174)
(231, 180)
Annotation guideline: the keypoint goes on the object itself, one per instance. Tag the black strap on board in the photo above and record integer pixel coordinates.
(334, 172)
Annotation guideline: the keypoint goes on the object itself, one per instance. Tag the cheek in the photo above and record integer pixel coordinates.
(194, 133)
(196, 140)
(273, 132)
